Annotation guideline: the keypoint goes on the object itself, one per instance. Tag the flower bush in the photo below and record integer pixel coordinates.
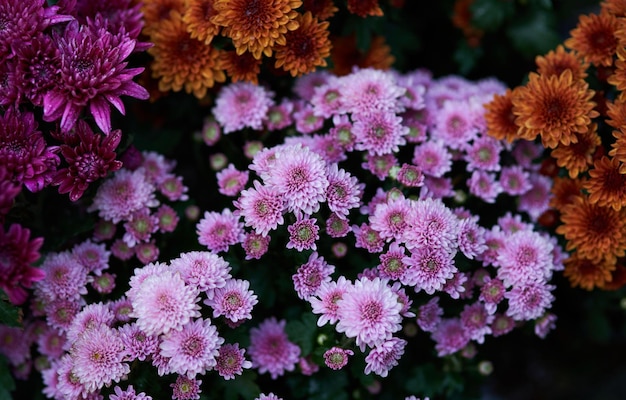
(285, 205)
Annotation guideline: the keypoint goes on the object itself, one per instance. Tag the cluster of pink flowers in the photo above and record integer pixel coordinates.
(417, 205)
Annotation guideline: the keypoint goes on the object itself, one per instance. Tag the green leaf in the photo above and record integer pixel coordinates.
(534, 34)
(9, 314)
(7, 385)
(489, 15)
(303, 332)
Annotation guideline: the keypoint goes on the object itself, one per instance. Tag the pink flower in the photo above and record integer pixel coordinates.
(484, 153)
(325, 300)
(529, 301)
(433, 158)
(140, 227)
(471, 238)
(391, 219)
(91, 316)
(327, 98)
(230, 361)
(491, 294)
(270, 349)
(384, 356)
(185, 388)
(191, 350)
(432, 224)
(483, 185)
(344, 191)
(369, 311)
(310, 275)
(234, 300)
(476, 320)
(255, 245)
(429, 315)
(94, 257)
(128, 394)
(337, 226)
(410, 176)
(449, 337)
(203, 270)
(370, 90)
(391, 265)
(379, 165)
(336, 357)
(279, 116)
(218, 231)
(514, 180)
(525, 257)
(302, 234)
(307, 121)
(429, 269)
(537, 199)
(65, 277)
(367, 238)
(379, 133)
(240, 105)
(230, 180)
(453, 124)
(14, 344)
(261, 208)
(137, 343)
(17, 253)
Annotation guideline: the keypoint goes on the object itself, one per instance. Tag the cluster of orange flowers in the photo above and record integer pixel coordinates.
(198, 43)
(575, 104)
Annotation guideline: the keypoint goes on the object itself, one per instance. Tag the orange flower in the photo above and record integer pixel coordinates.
(616, 113)
(256, 25)
(578, 156)
(606, 185)
(500, 118)
(618, 277)
(182, 62)
(586, 273)
(615, 7)
(618, 78)
(595, 232)
(462, 18)
(307, 47)
(554, 107)
(321, 9)
(345, 55)
(594, 38)
(241, 68)
(618, 150)
(363, 8)
(197, 16)
(557, 61)
(564, 191)
(155, 11)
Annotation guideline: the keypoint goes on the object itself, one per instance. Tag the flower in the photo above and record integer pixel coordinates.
(432, 224)
(234, 300)
(449, 336)
(594, 38)
(428, 269)
(453, 124)
(192, 349)
(475, 319)
(256, 27)
(325, 299)
(261, 208)
(484, 154)
(384, 356)
(525, 257)
(17, 253)
(392, 218)
(554, 107)
(186, 388)
(302, 234)
(336, 357)
(529, 301)
(365, 8)
(240, 105)
(606, 184)
(500, 118)
(218, 231)
(197, 18)
(203, 270)
(429, 315)
(558, 60)
(255, 245)
(65, 277)
(367, 238)
(369, 311)
(270, 349)
(241, 67)
(310, 276)
(230, 361)
(305, 48)
(588, 274)
(577, 157)
(321, 9)
(173, 52)
(343, 192)
(433, 158)
(138, 344)
(92, 72)
(128, 394)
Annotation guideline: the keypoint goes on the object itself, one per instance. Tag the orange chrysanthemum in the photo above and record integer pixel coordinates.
(618, 279)
(615, 7)
(307, 47)
(578, 156)
(618, 147)
(554, 107)
(241, 68)
(616, 113)
(564, 191)
(594, 38)
(587, 274)
(595, 232)
(321, 9)
(606, 185)
(618, 78)
(155, 11)
(182, 62)
(256, 25)
(197, 16)
(345, 54)
(557, 61)
(364, 8)
(500, 118)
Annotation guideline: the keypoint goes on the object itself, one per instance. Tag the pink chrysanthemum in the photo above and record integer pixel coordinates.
(91, 159)
(156, 167)
(310, 276)
(91, 316)
(92, 73)
(261, 208)
(203, 270)
(51, 343)
(306, 120)
(299, 176)
(484, 185)
(325, 300)
(449, 337)
(185, 388)
(279, 115)
(453, 124)
(98, 358)
(163, 302)
(302, 234)
(544, 325)
(230, 361)
(391, 219)
(476, 320)
(327, 99)
(410, 176)
(168, 218)
(230, 180)
(241, 105)
(336, 226)
(121, 250)
(379, 165)
(429, 269)
(367, 238)
(336, 358)
(255, 245)
(191, 350)
(459, 286)
(304, 86)
(502, 324)
(484, 154)
(146, 252)
(67, 385)
(382, 358)
(128, 394)
(23, 150)
(525, 257)
(137, 343)
(471, 238)
(218, 231)
(433, 158)
(61, 312)
(529, 301)
(140, 226)
(369, 311)
(536, 200)
(343, 192)
(370, 90)
(65, 277)
(103, 283)
(173, 188)
(93, 256)
(491, 294)
(432, 225)
(379, 133)
(234, 300)
(270, 349)
(391, 265)
(126, 192)
(14, 344)
(429, 315)
(269, 396)
(514, 180)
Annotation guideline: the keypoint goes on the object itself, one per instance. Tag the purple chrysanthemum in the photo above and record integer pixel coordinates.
(14, 344)
(336, 226)
(230, 180)
(471, 238)
(92, 73)
(382, 358)
(310, 276)
(491, 294)
(261, 208)
(370, 90)
(279, 115)
(128, 394)
(379, 133)
(203, 270)
(429, 315)
(514, 180)
(302, 234)
(306, 120)
(410, 175)
(270, 349)
(536, 200)
(336, 357)
(453, 124)
(140, 226)
(484, 185)
(65, 277)
(192, 349)
(325, 300)
(525, 257)
(529, 301)
(327, 98)
(391, 265)
(343, 192)
(137, 343)
(476, 320)
(91, 316)
(391, 219)
(367, 238)
(93, 256)
(433, 158)
(428, 269)
(484, 154)
(234, 300)
(255, 245)
(369, 311)
(241, 105)
(432, 224)
(379, 165)
(186, 388)
(449, 336)
(218, 231)
(230, 361)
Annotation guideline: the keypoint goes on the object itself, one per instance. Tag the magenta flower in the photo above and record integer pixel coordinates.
(92, 73)
(337, 226)
(471, 238)
(336, 357)
(429, 269)
(279, 115)
(484, 154)
(453, 124)
(484, 185)
(370, 90)
(203, 270)
(367, 238)
(525, 257)
(344, 191)
(476, 320)
(325, 300)
(137, 343)
(309, 277)
(140, 227)
(433, 158)
(234, 300)
(230, 361)
(429, 315)
(93, 256)
(432, 224)
(491, 294)
(391, 219)
(270, 349)
(382, 358)
(17, 254)
(37, 66)
(450, 336)
(14, 344)
(302, 234)
(230, 180)
(186, 388)
(8, 191)
(218, 231)
(410, 176)
(261, 208)
(255, 245)
(379, 133)
(379, 165)
(192, 349)
(240, 105)
(514, 180)
(529, 301)
(128, 394)
(391, 265)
